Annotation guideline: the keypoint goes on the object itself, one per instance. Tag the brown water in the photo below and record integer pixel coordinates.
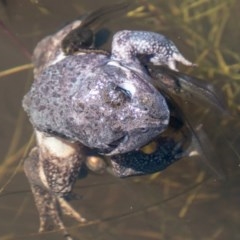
(186, 201)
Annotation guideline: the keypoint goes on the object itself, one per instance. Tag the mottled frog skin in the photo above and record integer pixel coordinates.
(85, 98)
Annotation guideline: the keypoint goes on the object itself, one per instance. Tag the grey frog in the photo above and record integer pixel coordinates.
(89, 98)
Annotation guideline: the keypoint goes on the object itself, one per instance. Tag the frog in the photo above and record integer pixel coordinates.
(89, 99)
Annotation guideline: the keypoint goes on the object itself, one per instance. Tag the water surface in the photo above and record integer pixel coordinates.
(186, 201)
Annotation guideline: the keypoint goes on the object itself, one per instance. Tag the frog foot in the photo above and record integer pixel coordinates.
(51, 179)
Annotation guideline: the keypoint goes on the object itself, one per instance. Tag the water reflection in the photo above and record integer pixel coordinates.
(183, 202)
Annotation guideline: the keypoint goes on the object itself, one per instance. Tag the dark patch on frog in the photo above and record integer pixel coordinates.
(80, 40)
(140, 163)
(87, 37)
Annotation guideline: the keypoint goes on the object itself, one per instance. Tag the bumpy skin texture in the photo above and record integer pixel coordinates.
(127, 45)
(98, 100)
(87, 99)
(94, 98)
(134, 163)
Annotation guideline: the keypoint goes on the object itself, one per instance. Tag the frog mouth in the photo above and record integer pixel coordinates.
(115, 145)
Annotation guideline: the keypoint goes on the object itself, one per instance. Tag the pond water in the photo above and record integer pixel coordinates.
(187, 200)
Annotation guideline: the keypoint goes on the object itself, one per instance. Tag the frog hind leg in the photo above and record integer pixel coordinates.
(51, 179)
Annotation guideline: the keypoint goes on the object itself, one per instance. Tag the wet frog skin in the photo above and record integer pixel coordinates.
(85, 98)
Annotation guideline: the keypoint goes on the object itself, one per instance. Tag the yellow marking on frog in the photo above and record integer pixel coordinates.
(95, 163)
(149, 148)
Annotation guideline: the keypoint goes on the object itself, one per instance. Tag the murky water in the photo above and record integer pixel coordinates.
(186, 201)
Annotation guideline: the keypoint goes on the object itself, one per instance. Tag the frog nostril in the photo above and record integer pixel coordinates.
(144, 130)
(146, 109)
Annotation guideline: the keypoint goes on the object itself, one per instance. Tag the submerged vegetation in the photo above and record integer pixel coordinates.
(208, 29)
(208, 32)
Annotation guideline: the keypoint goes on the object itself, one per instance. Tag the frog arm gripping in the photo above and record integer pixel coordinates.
(127, 45)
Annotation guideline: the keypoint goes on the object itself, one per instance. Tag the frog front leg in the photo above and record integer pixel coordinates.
(52, 168)
(128, 45)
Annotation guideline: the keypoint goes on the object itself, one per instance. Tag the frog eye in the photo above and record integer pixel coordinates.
(129, 87)
(126, 92)
(116, 96)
